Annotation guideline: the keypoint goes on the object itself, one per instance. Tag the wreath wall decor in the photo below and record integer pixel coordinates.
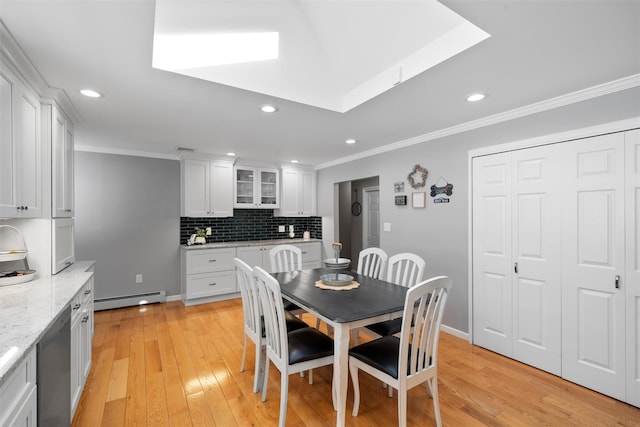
(423, 177)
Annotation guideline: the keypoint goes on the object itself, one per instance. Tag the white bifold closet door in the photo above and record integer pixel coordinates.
(632, 282)
(593, 252)
(516, 256)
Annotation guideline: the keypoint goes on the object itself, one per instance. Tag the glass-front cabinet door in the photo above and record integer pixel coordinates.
(269, 188)
(256, 188)
(244, 194)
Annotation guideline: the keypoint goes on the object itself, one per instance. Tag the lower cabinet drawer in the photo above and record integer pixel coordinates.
(209, 284)
(310, 251)
(207, 260)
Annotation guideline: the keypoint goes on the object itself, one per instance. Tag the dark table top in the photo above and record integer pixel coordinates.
(372, 298)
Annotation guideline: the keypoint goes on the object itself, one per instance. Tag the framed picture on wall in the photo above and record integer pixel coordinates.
(419, 199)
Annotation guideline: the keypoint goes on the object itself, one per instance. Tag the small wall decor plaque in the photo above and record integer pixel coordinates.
(417, 178)
(441, 189)
(419, 199)
(401, 200)
(398, 187)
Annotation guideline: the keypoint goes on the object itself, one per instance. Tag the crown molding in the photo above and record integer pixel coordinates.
(124, 152)
(19, 61)
(624, 83)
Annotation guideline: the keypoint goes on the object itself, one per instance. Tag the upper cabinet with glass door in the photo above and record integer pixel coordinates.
(256, 187)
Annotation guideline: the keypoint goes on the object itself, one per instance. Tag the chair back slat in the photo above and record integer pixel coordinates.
(274, 319)
(371, 262)
(422, 317)
(405, 269)
(285, 258)
(251, 307)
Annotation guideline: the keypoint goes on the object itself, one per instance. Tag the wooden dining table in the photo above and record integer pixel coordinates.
(373, 301)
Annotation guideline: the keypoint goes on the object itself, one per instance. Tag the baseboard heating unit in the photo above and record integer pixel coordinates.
(129, 300)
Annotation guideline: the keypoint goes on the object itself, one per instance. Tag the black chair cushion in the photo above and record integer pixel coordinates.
(382, 354)
(308, 344)
(389, 327)
(293, 323)
(289, 306)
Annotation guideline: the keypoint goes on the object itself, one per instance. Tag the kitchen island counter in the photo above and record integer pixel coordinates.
(28, 309)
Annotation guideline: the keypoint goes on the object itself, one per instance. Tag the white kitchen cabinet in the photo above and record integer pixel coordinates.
(298, 195)
(81, 337)
(18, 395)
(206, 187)
(62, 244)
(256, 187)
(208, 275)
(62, 158)
(20, 149)
(259, 255)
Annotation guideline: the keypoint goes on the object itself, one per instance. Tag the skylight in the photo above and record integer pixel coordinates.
(330, 54)
(175, 52)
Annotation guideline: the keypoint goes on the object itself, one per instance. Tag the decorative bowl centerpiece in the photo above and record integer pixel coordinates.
(337, 263)
(336, 279)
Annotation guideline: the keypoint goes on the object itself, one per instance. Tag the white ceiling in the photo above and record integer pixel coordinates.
(538, 50)
(332, 54)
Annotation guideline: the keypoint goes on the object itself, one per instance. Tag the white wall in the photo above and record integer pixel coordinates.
(128, 220)
(439, 233)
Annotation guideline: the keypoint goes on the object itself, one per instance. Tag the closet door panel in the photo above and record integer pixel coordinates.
(631, 282)
(536, 258)
(492, 293)
(593, 317)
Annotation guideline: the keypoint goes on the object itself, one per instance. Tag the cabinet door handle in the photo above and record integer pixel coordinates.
(515, 267)
(77, 306)
(617, 281)
(85, 318)
(212, 284)
(87, 292)
(212, 260)
(67, 210)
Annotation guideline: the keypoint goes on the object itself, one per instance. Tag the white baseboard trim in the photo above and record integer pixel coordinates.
(171, 298)
(129, 300)
(455, 332)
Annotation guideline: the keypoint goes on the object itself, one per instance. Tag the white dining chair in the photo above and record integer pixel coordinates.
(371, 262)
(253, 319)
(291, 352)
(405, 269)
(411, 359)
(285, 258)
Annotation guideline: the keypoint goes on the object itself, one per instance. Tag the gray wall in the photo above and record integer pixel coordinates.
(439, 233)
(128, 220)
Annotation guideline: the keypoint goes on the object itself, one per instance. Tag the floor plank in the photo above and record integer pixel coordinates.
(167, 364)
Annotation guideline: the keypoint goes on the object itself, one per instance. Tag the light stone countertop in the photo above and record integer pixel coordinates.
(28, 309)
(237, 244)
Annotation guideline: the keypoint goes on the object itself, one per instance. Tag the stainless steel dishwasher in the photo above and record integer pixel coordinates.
(54, 374)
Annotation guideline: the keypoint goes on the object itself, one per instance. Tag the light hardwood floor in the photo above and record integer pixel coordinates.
(170, 365)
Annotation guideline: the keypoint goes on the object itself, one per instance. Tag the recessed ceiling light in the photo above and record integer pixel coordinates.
(91, 93)
(294, 161)
(350, 141)
(268, 108)
(474, 97)
(231, 154)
